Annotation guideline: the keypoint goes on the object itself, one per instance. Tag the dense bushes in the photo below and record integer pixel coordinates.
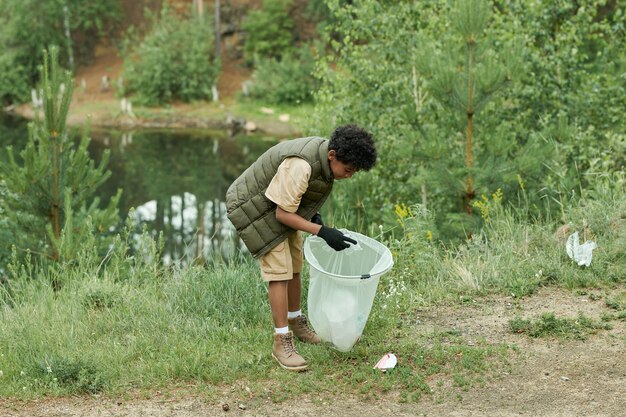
(173, 61)
(281, 52)
(551, 131)
(27, 27)
(288, 80)
(268, 31)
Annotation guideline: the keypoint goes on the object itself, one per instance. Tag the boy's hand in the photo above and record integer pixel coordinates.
(334, 238)
(317, 219)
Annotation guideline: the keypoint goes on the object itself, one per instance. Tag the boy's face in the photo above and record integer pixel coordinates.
(340, 169)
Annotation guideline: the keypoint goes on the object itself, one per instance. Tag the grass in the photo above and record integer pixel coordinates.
(129, 324)
(548, 325)
(617, 303)
(211, 327)
(511, 254)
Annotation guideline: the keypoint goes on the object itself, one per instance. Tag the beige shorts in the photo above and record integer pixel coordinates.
(284, 260)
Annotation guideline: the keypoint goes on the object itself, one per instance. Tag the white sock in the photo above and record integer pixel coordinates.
(281, 330)
(294, 314)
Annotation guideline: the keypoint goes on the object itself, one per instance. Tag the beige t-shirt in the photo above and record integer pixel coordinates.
(289, 183)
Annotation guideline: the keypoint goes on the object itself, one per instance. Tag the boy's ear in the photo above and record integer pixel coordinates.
(332, 154)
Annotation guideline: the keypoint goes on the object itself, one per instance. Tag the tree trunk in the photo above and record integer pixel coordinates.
(469, 184)
(218, 37)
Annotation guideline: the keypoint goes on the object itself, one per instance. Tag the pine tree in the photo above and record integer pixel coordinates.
(46, 199)
(466, 73)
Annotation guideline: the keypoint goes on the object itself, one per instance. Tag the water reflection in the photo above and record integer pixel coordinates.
(175, 181)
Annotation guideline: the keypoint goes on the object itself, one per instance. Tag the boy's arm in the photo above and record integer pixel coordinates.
(333, 237)
(296, 222)
(286, 189)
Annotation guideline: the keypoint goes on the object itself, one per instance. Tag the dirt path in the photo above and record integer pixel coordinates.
(545, 377)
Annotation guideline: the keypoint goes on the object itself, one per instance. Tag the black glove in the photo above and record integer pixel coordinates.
(334, 238)
(317, 219)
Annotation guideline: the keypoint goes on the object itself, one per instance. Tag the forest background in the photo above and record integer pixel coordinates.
(500, 129)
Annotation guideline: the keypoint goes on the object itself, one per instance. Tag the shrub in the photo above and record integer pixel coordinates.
(547, 127)
(14, 78)
(27, 27)
(46, 191)
(74, 375)
(268, 31)
(289, 80)
(174, 61)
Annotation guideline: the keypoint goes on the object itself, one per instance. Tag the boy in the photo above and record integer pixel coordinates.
(273, 200)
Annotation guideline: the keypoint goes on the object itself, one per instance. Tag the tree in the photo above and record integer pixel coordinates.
(47, 197)
(390, 70)
(465, 79)
(269, 31)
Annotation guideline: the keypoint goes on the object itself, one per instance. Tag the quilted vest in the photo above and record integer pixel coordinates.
(254, 215)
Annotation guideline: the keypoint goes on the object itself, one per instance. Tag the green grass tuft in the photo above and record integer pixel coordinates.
(548, 325)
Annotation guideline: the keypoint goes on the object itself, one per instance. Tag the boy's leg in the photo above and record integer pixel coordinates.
(277, 270)
(294, 292)
(297, 321)
(278, 302)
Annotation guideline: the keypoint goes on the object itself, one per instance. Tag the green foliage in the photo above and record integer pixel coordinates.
(465, 81)
(548, 325)
(288, 80)
(269, 31)
(29, 26)
(465, 71)
(576, 58)
(134, 323)
(173, 61)
(51, 188)
(91, 22)
(14, 78)
(71, 375)
(511, 253)
(365, 80)
(617, 302)
(101, 295)
(576, 86)
(380, 76)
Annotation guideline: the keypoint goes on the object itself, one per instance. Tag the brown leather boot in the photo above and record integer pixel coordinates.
(300, 328)
(286, 354)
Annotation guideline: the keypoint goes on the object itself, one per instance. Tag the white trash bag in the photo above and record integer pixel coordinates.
(343, 285)
(580, 254)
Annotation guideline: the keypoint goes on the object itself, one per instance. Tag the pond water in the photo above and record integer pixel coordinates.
(175, 182)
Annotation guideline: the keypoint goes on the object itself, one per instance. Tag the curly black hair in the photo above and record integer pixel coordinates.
(353, 145)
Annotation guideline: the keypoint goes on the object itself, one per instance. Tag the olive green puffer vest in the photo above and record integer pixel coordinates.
(254, 215)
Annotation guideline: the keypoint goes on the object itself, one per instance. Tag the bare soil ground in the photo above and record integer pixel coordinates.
(545, 377)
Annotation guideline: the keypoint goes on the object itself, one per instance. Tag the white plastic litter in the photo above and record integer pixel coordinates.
(388, 361)
(343, 285)
(580, 254)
